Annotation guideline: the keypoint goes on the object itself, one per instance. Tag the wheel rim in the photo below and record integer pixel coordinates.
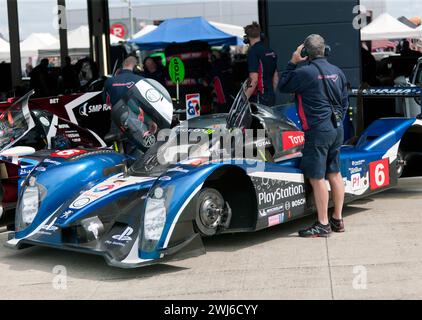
(210, 211)
(400, 164)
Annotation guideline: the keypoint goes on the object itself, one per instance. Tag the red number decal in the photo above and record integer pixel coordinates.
(379, 174)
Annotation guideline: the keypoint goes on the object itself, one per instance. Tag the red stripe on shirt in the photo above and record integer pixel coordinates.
(301, 112)
(261, 78)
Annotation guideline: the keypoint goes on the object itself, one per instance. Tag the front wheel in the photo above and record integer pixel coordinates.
(210, 212)
(401, 163)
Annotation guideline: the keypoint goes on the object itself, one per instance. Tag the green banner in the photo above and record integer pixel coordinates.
(176, 70)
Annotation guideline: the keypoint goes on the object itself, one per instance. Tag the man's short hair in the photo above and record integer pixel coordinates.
(315, 46)
(253, 30)
(130, 61)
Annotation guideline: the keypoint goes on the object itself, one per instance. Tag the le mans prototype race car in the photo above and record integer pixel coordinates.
(24, 136)
(90, 201)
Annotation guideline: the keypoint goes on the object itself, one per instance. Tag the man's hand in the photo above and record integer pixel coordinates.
(296, 57)
(152, 127)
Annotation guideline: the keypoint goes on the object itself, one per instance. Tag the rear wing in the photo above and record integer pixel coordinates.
(387, 92)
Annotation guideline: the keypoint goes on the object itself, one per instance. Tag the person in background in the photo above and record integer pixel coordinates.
(153, 71)
(40, 79)
(69, 77)
(262, 67)
(322, 98)
(222, 79)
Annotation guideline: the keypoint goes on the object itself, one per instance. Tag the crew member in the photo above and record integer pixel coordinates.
(262, 67)
(322, 98)
(116, 87)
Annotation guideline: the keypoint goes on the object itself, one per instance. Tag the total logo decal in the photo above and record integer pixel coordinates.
(270, 198)
(85, 110)
(292, 139)
(106, 187)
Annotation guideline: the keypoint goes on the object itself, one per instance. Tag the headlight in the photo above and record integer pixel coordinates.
(30, 202)
(32, 195)
(155, 217)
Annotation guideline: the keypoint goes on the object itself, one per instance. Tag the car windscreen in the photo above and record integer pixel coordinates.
(15, 122)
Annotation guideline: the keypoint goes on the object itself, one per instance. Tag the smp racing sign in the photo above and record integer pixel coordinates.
(90, 111)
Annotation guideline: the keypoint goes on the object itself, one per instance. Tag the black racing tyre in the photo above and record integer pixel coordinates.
(207, 217)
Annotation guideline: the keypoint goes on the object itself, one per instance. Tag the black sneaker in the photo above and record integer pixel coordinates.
(337, 225)
(316, 231)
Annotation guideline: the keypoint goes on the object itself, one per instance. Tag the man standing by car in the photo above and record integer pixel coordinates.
(262, 67)
(322, 99)
(116, 87)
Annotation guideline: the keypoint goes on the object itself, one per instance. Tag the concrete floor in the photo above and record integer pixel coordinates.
(383, 244)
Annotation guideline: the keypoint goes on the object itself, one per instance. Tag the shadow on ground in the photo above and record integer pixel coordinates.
(91, 267)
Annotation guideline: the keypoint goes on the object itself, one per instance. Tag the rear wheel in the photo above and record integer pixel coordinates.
(209, 211)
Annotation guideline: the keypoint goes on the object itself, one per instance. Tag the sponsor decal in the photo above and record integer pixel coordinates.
(292, 139)
(270, 211)
(178, 169)
(66, 214)
(85, 110)
(287, 205)
(149, 140)
(333, 77)
(25, 172)
(195, 130)
(379, 174)
(66, 154)
(193, 105)
(80, 203)
(279, 194)
(153, 95)
(52, 162)
(263, 144)
(165, 178)
(64, 126)
(121, 239)
(103, 189)
(49, 229)
(358, 163)
(40, 169)
(298, 203)
(125, 236)
(275, 220)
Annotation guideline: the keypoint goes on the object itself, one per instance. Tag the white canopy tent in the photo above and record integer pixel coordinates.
(147, 29)
(37, 41)
(232, 29)
(4, 51)
(387, 27)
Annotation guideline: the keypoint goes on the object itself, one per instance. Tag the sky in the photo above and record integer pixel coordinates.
(42, 20)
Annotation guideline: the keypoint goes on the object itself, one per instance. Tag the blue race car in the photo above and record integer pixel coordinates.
(159, 208)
